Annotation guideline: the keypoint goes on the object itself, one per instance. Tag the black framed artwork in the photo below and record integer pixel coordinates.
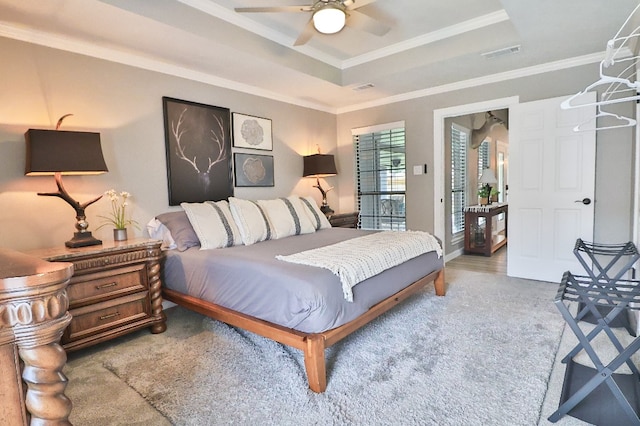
(253, 170)
(251, 132)
(198, 149)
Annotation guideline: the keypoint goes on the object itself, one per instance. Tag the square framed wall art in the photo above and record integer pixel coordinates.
(253, 170)
(252, 132)
(198, 149)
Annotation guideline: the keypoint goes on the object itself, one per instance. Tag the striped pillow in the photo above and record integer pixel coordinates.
(287, 217)
(318, 219)
(251, 220)
(213, 224)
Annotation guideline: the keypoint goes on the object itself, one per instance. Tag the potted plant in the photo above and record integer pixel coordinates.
(494, 195)
(118, 217)
(483, 195)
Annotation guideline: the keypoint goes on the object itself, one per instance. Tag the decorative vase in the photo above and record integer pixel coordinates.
(120, 234)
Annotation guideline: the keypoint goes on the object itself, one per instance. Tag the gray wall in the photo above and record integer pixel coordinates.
(124, 104)
(614, 162)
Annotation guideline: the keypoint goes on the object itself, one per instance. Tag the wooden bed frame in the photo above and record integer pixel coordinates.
(312, 344)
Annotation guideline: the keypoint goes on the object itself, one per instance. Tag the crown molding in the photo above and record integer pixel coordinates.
(441, 34)
(474, 82)
(240, 21)
(135, 60)
(237, 19)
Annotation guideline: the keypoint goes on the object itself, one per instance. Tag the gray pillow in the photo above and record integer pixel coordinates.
(180, 228)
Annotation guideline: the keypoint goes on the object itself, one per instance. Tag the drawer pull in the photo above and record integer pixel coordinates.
(104, 317)
(107, 285)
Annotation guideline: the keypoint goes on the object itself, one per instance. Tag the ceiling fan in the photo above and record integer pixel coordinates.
(328, 17)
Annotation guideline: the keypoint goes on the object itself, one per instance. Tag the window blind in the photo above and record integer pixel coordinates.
(483, 157)
(459, 143)
(381, 178)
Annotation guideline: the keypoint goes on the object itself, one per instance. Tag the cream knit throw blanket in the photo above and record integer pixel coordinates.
(360, 258)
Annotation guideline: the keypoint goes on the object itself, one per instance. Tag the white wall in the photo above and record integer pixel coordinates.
(38, 85)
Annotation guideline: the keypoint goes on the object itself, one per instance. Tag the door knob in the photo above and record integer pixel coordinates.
(585, 201)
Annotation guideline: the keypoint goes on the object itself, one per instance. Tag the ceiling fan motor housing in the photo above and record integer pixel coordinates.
(330, 16)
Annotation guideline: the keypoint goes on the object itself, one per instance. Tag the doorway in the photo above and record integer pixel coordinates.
(496, 264)
(551, 186)
(439, 117)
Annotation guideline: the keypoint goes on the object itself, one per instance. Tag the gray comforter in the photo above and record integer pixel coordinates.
(249, 279)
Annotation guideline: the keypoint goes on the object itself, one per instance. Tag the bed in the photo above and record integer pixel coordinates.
(298, 305)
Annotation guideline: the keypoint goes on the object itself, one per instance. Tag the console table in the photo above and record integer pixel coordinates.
(485, 228)
(33, 316)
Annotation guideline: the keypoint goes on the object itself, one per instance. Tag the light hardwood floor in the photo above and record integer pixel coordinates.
(495, 264)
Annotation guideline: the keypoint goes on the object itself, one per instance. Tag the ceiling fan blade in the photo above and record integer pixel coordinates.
(365, 23)
(354, 4)
(303, 8)
(306, 33)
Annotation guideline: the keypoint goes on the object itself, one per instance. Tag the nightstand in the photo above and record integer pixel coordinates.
(115, 289)
(344, 220)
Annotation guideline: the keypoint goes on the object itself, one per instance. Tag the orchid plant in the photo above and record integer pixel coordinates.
(118, 217)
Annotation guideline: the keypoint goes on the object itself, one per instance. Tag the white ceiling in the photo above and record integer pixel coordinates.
(433, 46)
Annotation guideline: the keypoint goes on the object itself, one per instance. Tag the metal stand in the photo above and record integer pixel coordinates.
(616, 407)
(622, 257)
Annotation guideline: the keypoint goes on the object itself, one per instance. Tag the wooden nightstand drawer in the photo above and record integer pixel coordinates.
(94, 319)
(344, 220)
(91, 288)
(115, 289)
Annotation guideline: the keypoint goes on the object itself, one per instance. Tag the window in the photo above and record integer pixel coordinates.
(483, 157)
(459, 143)
(380, 176)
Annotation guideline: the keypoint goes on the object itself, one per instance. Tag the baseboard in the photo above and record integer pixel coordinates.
(453, 255)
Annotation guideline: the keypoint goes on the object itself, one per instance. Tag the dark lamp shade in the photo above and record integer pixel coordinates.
(70, 153)
(319, 165)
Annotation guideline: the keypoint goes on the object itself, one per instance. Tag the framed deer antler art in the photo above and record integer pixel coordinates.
(198, 148)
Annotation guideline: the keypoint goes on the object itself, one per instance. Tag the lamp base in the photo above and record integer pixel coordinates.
(82, 239)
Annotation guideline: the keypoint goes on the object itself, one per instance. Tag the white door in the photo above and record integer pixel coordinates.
(551, 172)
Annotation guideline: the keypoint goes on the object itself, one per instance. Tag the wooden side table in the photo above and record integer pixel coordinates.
(481, 233)
(344, 220)
(33, 315)
(115, 290)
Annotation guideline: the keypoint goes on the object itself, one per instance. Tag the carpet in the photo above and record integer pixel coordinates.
(481, 355)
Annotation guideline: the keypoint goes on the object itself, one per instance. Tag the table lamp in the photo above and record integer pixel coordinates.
(57, 153)
(320, 165)
(487, 178)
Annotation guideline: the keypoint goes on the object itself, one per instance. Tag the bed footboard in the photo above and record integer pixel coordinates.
(312, 344)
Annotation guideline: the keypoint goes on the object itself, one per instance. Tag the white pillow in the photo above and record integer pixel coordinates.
(251, 219)
(158, 231)
(213, 224)
(318, 219)
(287, 217)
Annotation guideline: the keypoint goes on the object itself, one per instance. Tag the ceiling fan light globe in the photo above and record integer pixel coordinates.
(329, 20)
